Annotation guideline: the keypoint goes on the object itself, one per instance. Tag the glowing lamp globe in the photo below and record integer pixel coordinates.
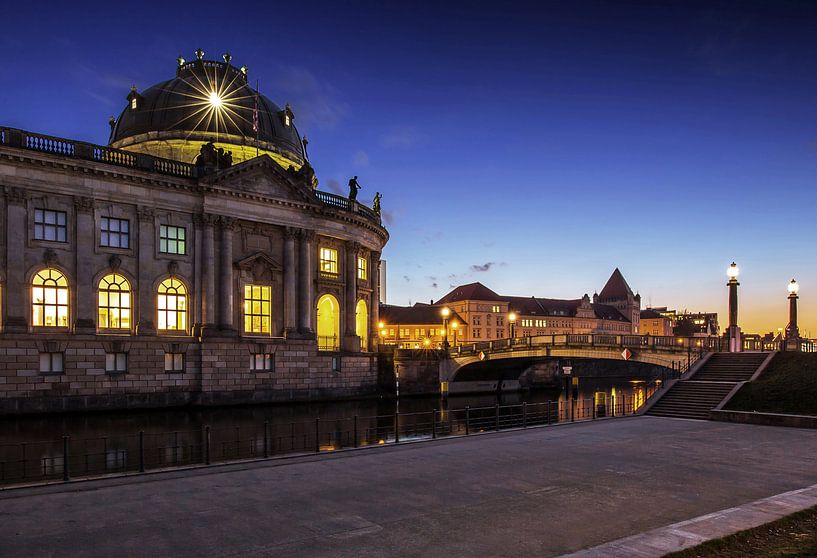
(455, 325)
(446, 312)
(733, 271)
(794, 288)
(512, 317)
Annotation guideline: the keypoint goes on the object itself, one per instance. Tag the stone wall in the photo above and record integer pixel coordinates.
(216, 372)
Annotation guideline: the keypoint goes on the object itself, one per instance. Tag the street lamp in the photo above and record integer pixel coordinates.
(445, 312)
(512, 323)
(454, 326)
(792, 332)
(734, 330)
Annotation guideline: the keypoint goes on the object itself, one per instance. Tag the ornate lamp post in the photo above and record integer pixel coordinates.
(445, 312)
(454, 327)
(792, 332)
(512, 324)
(381, 329)
(735, 344)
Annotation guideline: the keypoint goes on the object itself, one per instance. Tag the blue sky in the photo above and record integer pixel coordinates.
(533, 147)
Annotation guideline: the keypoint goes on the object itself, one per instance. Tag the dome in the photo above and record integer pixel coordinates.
(207, 101)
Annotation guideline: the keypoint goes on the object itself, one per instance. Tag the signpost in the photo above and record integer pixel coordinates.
(626, 354)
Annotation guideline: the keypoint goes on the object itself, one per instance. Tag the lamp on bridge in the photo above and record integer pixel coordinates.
(454, 326)
(446, 312)
(792, 331)
(512, 324)
(734, 331)
(381, 329)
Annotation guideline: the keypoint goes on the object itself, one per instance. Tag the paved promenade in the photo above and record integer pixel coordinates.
(542, 492)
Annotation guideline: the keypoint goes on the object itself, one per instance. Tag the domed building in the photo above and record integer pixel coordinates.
(190, 261)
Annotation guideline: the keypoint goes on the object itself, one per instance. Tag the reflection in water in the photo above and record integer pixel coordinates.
(32, 447)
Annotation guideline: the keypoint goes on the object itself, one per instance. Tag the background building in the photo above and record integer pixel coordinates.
(654, 323)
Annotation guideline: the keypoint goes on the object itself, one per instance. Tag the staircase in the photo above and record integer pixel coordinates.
(693, 398)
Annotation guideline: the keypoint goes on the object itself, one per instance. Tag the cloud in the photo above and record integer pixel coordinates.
(481, 268)
(314, 102)
(361, 158)
(407, 278)
(387, 216)
(402, 136)
(433, 280)
(334, 186)
(102, 99)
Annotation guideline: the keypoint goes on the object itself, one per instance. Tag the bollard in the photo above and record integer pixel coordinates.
(613, 406)
(593, 403)
(496, 417)
(355, 432)
(467, 420)
(141, 451)
(266, 438)
(547, 420)
(207, 445)
(65, 475)
(396, 427)
(434, 424)
(317, 435)
(524, 414)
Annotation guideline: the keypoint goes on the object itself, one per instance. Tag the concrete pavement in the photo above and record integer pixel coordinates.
(543, 492)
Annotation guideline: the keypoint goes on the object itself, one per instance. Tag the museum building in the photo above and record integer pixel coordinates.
(190, 261)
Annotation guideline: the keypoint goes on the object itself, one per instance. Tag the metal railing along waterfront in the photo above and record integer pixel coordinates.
(67, 457)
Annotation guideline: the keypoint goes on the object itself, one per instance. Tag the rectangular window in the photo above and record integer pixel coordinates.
(172, 240)
(335, 364)
(116, 363)
(362, 269)
(51, 363)
(262, 361)
(495, 309)
(174, 362)
(257, 309)
(114, 233)
(499, 334)
(329, 261)
(477, 332)
(50, 225)
(476, 320)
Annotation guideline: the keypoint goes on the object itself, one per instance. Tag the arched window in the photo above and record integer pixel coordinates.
(172, 305)
(362, 324)
(114, 302)
(257, 309)
(328, 323)
(49, 299)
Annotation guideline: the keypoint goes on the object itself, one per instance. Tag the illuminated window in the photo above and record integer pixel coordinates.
(116, 363)
(51, 363)
(133, 103)
(262, 361)
(362, 270)
(114, 302)
(50, 225)
(287, 120)
(172, 305)
(49, 299)
(172, 240)
(114, 233)
(174, 362)
(362, 324)
(257, 309)
(328, 323)
(329, 261)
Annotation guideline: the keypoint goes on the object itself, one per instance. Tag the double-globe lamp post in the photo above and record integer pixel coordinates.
(512, 324)
(446, 312)
(792, 331)
(735, 344)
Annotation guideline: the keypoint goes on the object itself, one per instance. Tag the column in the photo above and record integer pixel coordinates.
(351, 341)
(85, 307)
(290, 285)
(146, 256)
(208, 271)
(17, 305)
(228, 225)
(306, 273)
(374, 303)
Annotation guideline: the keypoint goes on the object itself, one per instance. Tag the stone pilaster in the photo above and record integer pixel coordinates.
(145, 256)
(351, 340)
(85, 236)
(290, 285)
(306, 294)
(17, 307)
(208, 271)
(374, 302)
(228, 227)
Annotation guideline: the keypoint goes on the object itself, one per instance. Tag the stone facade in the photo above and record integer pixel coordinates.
(254, 224)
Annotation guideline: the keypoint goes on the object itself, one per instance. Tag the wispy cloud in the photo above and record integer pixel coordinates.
(402, 136)
(361, 158)
(314, 102)
(482, 268)
(407, 278)
(334, 186)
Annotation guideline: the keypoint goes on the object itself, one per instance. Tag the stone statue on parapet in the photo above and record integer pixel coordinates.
(209, 157)
(353, 188)
(376, 203)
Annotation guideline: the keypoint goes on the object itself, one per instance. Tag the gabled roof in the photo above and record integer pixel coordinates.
(419, 314)
(650, 314)
(471, 291)
(616, 288)
(533, 306)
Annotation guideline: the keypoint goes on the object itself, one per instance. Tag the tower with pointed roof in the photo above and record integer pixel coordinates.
(618, 294)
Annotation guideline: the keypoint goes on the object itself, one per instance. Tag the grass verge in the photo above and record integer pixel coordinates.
(792, 536)
(788, 385)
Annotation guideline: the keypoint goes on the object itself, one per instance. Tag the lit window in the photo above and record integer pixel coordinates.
(172, 240)
(116, 362)
(115, 233)
(50, 225)
(174, 362)
(51, 363)
(257, 309)
(49, 299)
(362, 270)
(262, 361)
(329, 261)
(114, 302)
(287, 120)
(172, 305)
(133, 103)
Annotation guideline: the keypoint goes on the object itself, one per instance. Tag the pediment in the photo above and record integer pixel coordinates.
(265, 177)
(258, 267)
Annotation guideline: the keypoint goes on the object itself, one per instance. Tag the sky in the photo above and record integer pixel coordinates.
(533, 147)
